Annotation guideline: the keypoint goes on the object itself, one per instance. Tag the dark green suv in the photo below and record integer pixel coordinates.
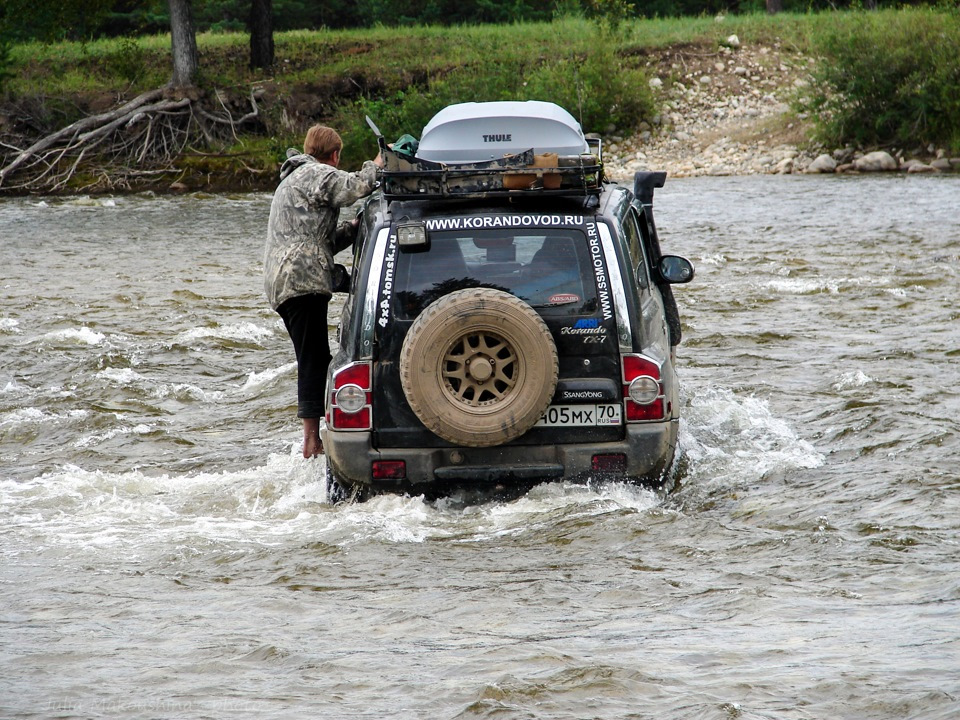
(509, 319)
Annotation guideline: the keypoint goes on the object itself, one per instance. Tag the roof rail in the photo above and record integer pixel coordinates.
(522, 174)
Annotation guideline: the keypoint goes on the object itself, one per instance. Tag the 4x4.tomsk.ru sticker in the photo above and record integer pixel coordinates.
(390, 266)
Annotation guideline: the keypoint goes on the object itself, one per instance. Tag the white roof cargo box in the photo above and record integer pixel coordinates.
(478, 132)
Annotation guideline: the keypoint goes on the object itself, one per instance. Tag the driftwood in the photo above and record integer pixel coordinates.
(114, 146)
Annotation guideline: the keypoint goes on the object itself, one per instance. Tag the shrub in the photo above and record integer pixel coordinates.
(129, 60)
(889, 78)
(597, 90)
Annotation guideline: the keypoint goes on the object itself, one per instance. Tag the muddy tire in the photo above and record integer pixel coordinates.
(478, 367)
(340, 491)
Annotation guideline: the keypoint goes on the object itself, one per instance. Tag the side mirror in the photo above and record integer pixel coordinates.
(341, 279)
(675, 269)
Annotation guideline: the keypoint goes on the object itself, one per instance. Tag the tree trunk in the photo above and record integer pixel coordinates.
(183, 43)
(261, 33)
(774, 6)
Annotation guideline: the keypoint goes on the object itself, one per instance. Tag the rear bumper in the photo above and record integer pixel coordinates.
(647, 447)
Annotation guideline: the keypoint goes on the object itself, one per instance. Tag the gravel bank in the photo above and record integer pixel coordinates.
(726, 111)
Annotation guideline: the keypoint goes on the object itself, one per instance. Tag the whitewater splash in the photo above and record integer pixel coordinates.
(246, 332)
(724, 439)
(732, 441)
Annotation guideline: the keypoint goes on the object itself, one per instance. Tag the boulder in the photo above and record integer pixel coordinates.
(843, 155)
(785, 166)
(822, 164)
(919, 167)
(941, 164)
(877, 161)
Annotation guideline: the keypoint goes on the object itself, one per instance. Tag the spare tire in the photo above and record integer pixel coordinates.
(478, 367)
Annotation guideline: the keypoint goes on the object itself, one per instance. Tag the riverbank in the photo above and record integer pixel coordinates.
(723, 110)
(691, 96)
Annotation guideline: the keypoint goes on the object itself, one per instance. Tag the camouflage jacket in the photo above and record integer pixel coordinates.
(302, 235)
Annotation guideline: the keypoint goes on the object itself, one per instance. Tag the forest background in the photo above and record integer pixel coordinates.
(107, 95)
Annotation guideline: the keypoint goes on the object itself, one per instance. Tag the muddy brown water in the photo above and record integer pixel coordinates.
(165, 553)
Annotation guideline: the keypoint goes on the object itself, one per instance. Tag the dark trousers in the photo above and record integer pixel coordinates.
(306, 320)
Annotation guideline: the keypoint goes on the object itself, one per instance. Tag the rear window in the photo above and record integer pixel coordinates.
(549, 268)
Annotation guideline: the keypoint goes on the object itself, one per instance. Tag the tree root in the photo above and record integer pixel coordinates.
(142, 137)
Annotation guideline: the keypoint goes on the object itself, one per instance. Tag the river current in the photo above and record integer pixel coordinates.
(165, 552)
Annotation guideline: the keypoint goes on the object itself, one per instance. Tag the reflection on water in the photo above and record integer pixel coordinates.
(167, 553)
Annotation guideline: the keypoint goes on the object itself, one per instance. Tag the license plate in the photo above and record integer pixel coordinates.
(581, 415)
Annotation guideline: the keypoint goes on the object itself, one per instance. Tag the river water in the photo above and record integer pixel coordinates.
(166, 553)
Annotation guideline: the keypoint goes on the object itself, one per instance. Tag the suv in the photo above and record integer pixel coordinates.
(509, 318)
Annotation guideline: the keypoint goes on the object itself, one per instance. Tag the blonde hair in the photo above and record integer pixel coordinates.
(322, 142)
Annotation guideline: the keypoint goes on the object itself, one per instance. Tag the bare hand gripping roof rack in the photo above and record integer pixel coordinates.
(496, 149)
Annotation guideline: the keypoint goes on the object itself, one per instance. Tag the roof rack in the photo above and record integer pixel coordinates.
(525, 173)
(471, 150)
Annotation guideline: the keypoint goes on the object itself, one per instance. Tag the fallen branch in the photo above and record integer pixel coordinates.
(147, 129)
(112, 125)
(78, 126)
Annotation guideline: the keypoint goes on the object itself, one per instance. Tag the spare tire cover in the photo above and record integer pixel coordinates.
(478, 367)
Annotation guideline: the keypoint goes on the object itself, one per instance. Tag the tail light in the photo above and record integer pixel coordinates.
(609, 463)
(388, 469)
(351, 397)
(642, 389)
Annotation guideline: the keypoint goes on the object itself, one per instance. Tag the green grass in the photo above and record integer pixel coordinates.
(391, 54)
